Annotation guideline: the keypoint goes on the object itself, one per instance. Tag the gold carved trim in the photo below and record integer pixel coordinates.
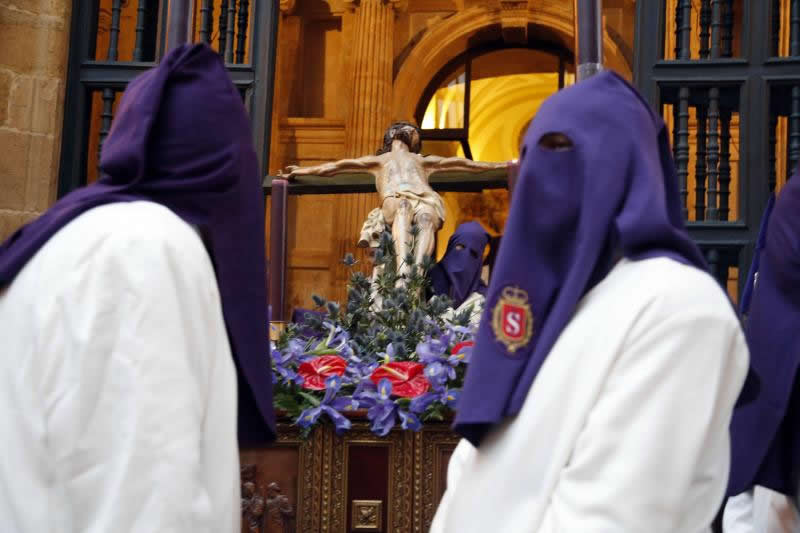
(309, 466)
(417, 482)
(434, 442)
(367, 515)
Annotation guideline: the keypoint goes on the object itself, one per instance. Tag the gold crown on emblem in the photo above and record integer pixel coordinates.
(515, 294)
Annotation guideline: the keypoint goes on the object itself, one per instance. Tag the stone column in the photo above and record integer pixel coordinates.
(372, 54)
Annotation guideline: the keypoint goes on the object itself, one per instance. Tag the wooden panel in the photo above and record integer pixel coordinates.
(310, 222)
(302, 283)
(310, 258)
(399, 449)
(367, 479)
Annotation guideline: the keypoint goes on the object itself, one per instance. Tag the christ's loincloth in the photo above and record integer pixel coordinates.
(427, 202)
(372, 229)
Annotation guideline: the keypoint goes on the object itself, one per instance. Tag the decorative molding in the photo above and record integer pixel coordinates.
(367, 515)
(308, 467)
(434, 442)
(417, 484)
(312, 131)
(398, 5)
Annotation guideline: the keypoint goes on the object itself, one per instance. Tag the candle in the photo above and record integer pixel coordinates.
(277, 249)
(513, 172)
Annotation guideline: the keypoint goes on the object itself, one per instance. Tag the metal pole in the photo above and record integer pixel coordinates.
(178, 24)
(588, 37)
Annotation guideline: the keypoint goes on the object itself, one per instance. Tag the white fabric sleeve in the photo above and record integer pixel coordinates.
(135, 345)
(760, 510)
(459, 460)
(658, 435)
(738, 514)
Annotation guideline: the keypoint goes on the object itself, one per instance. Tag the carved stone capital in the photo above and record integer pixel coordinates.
(287, 6)
(397, 5)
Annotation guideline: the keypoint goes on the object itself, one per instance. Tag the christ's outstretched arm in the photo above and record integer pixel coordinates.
(434, 163)
(366, 164)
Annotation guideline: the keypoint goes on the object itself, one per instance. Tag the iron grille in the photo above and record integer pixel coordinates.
(113, 41)
(725, 75)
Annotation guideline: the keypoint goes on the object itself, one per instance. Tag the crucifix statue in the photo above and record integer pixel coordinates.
(402, 180)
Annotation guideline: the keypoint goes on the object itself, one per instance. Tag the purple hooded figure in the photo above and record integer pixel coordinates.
(129, 311)
(458, 274)
(608, 361)
(765, 432)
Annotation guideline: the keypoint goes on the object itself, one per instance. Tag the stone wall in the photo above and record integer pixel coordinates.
(34, 41)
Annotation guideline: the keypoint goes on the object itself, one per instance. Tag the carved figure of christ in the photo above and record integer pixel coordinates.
(402, 180)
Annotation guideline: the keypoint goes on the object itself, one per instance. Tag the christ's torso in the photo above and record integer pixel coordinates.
(401, 172)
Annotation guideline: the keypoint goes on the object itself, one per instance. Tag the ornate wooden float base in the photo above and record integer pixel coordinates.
(357, 482)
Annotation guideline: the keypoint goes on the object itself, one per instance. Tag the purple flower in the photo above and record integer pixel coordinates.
(310, 416)
(447, 397)
(337, 337)
(389, 355)
(438, 373)
(420, 403)
(282, 363)
(382, 413)
(409, 421)
(432, 349)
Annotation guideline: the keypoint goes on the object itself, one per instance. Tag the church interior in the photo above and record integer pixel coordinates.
(471, 75)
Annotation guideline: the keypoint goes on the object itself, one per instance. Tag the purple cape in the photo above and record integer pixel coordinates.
(182, 138)
(613, 193)
(765, 433)
(458, 274)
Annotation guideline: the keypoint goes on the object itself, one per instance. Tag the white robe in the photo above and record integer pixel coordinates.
(625, 429)
(117, 384)
(760, 510)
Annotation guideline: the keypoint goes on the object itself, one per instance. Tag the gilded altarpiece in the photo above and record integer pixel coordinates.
(357, 482)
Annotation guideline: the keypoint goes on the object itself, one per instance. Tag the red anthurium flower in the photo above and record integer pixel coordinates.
(316, 371)
(461, 345)
(407, 378)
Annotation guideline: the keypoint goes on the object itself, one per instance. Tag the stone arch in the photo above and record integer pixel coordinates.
(472, 27)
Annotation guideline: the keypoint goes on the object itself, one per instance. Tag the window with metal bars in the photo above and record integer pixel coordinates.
(725, 75)
(113, 41)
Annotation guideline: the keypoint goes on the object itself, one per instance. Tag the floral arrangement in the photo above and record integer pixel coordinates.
(399, 362)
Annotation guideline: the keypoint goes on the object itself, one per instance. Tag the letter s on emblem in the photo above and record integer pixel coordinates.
(512, 319)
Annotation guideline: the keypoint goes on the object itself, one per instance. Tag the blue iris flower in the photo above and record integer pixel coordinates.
(310, 416)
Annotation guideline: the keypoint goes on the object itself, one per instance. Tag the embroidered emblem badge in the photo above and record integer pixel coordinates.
(512, 319)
